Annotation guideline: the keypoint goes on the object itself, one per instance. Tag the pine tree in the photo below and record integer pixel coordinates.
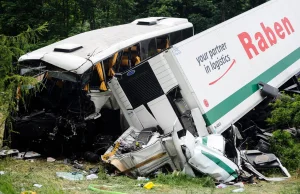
(11, 83)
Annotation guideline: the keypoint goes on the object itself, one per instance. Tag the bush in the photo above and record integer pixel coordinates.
(285, 112)
(287, 149)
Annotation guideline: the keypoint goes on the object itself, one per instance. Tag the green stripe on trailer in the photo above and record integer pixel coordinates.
(204, 141)
(220, 163)
(243, 93)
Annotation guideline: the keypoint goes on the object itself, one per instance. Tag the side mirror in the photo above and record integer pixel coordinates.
(268, 90)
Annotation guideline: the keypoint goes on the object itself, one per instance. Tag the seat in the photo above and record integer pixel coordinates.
(125, 61)
(112, 63)
(135, 58)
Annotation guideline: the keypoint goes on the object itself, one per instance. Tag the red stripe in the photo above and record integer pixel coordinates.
(233, 62)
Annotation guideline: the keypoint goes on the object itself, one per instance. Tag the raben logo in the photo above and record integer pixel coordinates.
(131, 72)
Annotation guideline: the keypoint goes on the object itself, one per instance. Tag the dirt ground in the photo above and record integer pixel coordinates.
(20, 175)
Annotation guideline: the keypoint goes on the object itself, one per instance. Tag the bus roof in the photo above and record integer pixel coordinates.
(78, 53)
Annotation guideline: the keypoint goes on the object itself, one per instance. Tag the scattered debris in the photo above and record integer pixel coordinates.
(208, 155)
(254, 159)
(94, 170)
(49, 159)
(140, 178)
(77, 165)
(221, 186)
(72, 176)
(91, 177)
(67, 161)
(27, 155)
(37, 185)
(148, 185)
(10, 152)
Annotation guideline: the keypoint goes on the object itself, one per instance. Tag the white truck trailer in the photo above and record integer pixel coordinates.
(203, 85)
(218, 71)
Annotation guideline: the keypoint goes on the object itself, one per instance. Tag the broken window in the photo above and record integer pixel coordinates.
(97, 81)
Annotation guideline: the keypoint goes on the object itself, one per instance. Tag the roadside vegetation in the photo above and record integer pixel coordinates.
(21, 175)
(285, 114)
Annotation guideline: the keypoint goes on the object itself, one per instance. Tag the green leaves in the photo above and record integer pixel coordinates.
(69, 17)
(286, 112)
(284, 146)
(12, 84)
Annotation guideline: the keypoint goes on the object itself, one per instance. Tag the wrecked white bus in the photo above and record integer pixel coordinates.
(184, 105)
(75, 110)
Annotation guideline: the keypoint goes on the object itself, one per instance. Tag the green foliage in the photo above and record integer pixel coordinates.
(285, 147)
(6, 185)
(11, 47)
(285, 112)
(69, 17)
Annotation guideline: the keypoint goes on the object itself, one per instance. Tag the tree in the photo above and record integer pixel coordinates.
(11, 83)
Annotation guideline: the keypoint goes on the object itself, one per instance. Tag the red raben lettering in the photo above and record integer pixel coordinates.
(262, 43)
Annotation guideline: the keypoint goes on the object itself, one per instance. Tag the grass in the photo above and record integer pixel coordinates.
(21, 175)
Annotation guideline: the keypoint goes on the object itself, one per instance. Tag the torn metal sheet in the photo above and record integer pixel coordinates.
(27, 155)
(141, 152)
(11, 152)
(254, 159)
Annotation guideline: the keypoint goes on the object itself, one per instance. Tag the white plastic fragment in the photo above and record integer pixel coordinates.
(2, 172)
(72, 176)
(141, 178)
(37, 185)
(50, 159)
(91, 177)
(221, 186)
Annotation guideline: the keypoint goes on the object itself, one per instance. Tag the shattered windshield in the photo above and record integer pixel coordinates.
(37, 68)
